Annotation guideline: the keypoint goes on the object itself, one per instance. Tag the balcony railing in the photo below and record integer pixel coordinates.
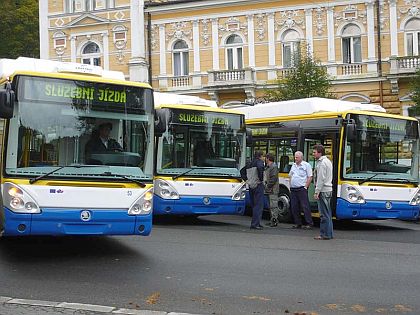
(405, 65)
(180, 81)
(352, 69)
(284, 73)
(231, 77)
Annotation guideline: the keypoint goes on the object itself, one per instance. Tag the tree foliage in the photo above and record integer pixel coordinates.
(307, 79)
(19, 28)
(415, 89)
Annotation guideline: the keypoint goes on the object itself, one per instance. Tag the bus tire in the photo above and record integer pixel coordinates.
(285, 216)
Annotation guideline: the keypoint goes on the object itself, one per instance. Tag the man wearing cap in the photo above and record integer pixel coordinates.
(101, 142)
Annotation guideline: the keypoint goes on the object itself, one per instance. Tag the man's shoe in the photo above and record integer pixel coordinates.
(307, 227)
(273, 224)
(268, 223)
(256, 227)
(296, 226)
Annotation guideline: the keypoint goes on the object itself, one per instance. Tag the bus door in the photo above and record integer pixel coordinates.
(327, 140)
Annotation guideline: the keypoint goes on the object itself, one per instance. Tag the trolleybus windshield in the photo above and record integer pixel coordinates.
(57, 122)
(201, 143)
(382, 149)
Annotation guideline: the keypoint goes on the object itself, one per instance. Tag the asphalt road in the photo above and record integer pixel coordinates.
(217, 265)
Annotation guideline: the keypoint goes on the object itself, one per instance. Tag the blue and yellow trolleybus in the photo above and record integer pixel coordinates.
(375, 155)
(200, 149)
(77, 150)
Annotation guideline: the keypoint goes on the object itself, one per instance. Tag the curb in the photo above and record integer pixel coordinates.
(86, 307)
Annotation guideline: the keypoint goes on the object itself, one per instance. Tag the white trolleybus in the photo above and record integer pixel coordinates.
(77, 150)
(200, 149)
(375, 155)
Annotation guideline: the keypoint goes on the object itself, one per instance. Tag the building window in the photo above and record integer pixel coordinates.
(290, 48)
(87, 5)
(412, 37)
(91, 54)
(180, 56)
(351, 43)
(234, 53)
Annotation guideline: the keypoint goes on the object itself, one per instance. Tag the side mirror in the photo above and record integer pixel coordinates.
(248, 137)
(7, 102)
(162, 118)
(351, 131)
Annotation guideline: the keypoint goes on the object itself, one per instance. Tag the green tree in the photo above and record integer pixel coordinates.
(415, 88)
(19, 28)
(307, 79)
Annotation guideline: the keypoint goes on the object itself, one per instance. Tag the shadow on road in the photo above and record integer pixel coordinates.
(191, 221)
(38, 249)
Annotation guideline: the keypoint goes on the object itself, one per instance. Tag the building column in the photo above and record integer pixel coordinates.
(163, 80)
(73, 51)
(331, 41)
(44, 46)
(196, 45)
(215, 43)
(251, 41)
(309, 31)
(372, 65)
(105, 43)
(393, 26)
(272, 73)
(137, 64)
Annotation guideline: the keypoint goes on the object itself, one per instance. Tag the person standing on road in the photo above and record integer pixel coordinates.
(300, 178)
(255, 178)
(323, 192)
(271, 188)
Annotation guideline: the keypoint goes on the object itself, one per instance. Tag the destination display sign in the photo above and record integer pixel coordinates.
(202, 118)
(99, 96)
(385, 124)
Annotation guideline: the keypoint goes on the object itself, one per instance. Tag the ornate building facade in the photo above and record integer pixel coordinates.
(234, 50)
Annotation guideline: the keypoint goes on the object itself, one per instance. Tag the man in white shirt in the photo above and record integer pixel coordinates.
(300, 178)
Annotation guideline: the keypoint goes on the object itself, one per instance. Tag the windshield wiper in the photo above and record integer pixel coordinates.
(190, 170)
(141, 184)
(35, 179)
(369, 178)
(229, 175)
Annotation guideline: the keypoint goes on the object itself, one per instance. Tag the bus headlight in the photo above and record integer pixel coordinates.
(416, 199)
(143, 205)
(165, 190)
(18, 200)
(240, 193)
(352, 194)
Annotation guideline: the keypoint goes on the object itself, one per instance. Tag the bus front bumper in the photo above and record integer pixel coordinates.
(197, 205)
(60, 221)
(376, 210)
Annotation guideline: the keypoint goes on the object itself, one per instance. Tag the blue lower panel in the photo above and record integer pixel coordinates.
(68, 222)
(376, 210)
(187, 205)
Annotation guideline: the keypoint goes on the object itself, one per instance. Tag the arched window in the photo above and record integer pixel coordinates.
(91, 54)
(351, 42)
(181, 58)
(412, 37)
(234, 52)
(290, 47)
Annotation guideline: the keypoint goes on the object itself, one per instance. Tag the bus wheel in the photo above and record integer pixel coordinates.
(285, 215)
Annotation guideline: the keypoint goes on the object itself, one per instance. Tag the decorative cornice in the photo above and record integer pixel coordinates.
(290, 19)
(179, 31)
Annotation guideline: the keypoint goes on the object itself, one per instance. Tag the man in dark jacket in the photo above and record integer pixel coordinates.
(255, 174)
(271, 183)
(101, 143)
